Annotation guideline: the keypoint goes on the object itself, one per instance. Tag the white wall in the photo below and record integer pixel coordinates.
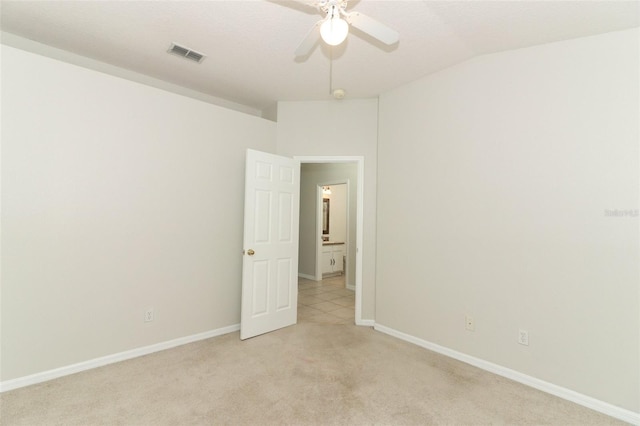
(339, 128)
(493, 181)
(338, 213)
(115, 197)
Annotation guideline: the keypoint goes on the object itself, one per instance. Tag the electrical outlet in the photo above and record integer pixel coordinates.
(148, 315)
(523, 337)
(469, 323)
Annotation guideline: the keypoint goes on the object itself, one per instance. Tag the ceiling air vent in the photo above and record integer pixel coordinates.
(187, 53)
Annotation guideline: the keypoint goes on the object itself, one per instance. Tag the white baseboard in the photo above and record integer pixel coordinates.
(351, 287)
(306, 276)
(584, 400)
(564, 393)
(44, 376)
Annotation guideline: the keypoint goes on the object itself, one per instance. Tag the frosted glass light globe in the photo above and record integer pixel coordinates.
(334, 30)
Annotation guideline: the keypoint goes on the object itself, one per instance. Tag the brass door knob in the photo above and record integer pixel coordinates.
(250, 252)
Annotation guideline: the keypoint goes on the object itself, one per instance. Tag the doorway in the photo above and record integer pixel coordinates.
(333, 236)
(333, 170)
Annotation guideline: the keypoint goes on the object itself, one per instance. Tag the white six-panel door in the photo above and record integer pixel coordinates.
(270, 259)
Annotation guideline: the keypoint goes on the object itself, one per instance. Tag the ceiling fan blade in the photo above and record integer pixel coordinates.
(309, 41)
(374, 28)
(305, 6)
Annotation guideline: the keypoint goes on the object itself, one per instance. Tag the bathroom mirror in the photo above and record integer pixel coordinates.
(325, 216)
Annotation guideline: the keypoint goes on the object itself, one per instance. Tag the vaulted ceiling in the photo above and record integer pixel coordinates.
(249, 44)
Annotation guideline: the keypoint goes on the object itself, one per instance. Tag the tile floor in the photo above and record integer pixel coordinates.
(326, 301)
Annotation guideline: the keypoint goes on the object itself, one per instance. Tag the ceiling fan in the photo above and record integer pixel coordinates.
(335, 26)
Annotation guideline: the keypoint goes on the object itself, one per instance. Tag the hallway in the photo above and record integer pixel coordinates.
(326, 301)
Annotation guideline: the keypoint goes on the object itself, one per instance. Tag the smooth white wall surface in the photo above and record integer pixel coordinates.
(339, 128)
(116, 197)
(312, 175)
(495, 178)
(338, 213)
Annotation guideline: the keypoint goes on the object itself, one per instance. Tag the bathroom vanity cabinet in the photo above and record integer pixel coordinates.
(332, 258)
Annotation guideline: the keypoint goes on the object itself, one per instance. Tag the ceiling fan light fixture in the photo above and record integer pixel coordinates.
(334, 30)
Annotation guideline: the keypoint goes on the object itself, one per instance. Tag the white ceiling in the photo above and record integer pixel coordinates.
(249, 44)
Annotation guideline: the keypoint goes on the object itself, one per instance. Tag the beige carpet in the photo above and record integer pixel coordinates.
(311, 373)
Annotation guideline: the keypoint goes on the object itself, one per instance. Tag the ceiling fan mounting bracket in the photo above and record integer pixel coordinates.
(329, 6)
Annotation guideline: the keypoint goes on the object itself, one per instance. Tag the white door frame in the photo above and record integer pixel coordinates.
(359, 161)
